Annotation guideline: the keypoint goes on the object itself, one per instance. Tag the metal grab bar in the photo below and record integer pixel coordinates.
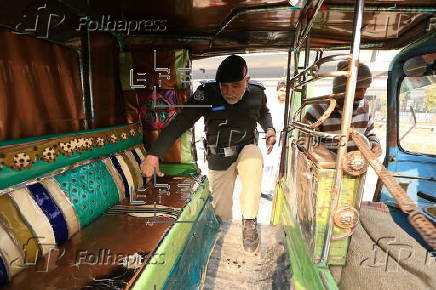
(312, 71)
(345, 125)
(325, 115)
(306, 129)
(326, 97)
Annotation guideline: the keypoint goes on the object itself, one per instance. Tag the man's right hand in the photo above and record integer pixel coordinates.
(149, 165)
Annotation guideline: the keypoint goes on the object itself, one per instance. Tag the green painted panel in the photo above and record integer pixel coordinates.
(179, 169)
(278, 203)
(327, 278)
(350, 192)
(10, 177)
(304, 273)
(90, 189)
(181, 61)
(186, 147)
(156, 275)
(191, 264)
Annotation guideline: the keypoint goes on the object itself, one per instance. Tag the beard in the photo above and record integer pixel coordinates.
(231, 99)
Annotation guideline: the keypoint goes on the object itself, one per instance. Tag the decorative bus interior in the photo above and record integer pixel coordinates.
(87, 86)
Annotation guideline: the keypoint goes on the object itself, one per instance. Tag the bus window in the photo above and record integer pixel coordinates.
(417, 103)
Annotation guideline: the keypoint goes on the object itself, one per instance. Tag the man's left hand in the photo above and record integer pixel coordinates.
(270, 140)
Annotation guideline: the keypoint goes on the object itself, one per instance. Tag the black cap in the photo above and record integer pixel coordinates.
(232, 69)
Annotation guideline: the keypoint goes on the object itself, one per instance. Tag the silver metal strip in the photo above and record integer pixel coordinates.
(345, 125)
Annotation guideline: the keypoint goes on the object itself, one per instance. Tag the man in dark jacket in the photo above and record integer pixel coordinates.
(231, 106)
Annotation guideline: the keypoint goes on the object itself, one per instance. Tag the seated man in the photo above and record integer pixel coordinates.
(362, 120)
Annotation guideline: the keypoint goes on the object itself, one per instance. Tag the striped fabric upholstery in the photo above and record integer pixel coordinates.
(64, 204)
(138, 154)
(52, 212)
(35, 218)
(116, 177)
(123, 172)
(130, 167)
(14, 224)
(134, 167)
(3, 271)
(12, 255)
(45, 214)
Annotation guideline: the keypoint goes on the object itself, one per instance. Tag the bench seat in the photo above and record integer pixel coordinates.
(86, 224)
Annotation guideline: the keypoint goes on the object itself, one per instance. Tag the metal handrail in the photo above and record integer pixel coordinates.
(347, 113)
(312, 71)
(326, 114)
(325, 97)
(306, 129)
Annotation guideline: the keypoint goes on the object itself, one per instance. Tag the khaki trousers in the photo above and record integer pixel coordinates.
(248, 167)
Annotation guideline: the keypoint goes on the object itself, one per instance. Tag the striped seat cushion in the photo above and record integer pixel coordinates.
(45, 213)
(125, 169)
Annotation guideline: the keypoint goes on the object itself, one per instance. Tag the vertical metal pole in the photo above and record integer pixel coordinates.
(91, 95)
(347, 113)
(84, 91)
(86, 78)
(288, 107)
(306, 64)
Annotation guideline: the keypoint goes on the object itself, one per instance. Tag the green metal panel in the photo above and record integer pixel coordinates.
(156, 274)
(189, 270)
(186, 147)
(9, 177)
(350, 192)
(181, 61)
(277, 206)
(179, 169)
(305, 274)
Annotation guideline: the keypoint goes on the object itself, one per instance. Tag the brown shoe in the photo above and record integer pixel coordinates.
(250, 237)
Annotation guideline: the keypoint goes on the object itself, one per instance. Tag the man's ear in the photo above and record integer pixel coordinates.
(248, 78)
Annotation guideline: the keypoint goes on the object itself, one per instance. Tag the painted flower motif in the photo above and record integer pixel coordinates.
(88, 143)
(124, 136)
(100, 142)
(49, 154)
(75, 145)
(132, 132)
(80, 144)
(113, 138)
(22, 161)
(67, 148)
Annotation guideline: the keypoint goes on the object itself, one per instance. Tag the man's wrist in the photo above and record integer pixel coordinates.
(270, 132)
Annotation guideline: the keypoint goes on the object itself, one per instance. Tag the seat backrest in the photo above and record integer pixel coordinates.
(53, 186)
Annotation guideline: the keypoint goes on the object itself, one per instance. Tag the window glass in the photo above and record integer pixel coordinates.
(418, 114)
